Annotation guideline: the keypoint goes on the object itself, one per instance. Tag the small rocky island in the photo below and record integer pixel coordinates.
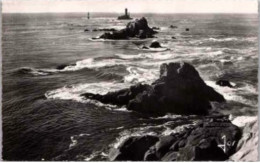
(136, 29)
(125, 17)
(179, 90)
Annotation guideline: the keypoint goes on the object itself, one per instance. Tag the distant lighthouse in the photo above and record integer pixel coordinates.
(126, 16)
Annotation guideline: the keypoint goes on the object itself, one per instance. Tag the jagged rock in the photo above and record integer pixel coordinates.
(179, 90)
(133, 148)
(212, 139)
(224, 83)
(138, 28)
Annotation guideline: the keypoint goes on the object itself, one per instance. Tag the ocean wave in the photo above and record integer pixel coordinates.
(74, 92)
(90, 63)
(158, 56)
(35, 71)
(233, 94)
(226, 39)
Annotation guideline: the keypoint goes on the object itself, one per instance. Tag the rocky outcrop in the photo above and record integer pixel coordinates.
(179, 90)
(138, 28)
(211, 139)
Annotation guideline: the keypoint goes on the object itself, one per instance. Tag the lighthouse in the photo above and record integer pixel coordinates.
(126, 12)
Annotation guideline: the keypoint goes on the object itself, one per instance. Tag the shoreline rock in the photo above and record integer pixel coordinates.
(178, 90)
(211, 139)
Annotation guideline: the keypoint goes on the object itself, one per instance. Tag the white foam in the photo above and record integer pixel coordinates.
(73, 92)
(241, 121)
(157, 56)
(137, 75)
(230, 94)
(91, 63)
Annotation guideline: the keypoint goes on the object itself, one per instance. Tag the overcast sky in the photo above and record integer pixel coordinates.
(134, 6)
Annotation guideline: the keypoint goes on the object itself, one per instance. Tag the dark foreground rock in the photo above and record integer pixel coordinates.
(178, 90)
(224, 83)
(138, 28)
(133, 148)
(211, 139)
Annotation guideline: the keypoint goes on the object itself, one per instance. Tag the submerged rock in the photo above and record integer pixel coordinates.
(224, 83)
(211, 139)
(173, 26)
(138, 28)
(179, 90)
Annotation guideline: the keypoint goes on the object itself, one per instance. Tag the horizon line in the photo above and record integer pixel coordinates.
(134, 12)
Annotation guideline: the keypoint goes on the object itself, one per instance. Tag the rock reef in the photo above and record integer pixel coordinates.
(179, 90)
(138, 29)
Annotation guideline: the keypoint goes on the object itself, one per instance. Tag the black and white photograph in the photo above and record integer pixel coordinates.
(130, 80)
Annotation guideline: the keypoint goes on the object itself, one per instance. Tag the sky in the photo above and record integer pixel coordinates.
(134, 6)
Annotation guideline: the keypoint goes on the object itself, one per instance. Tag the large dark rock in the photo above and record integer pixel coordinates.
(211, 139)
(138, 28)
(179, 90)
(133, 148)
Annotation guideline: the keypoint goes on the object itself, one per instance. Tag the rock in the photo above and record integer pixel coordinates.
(150, 155)
(86, 30)
(138, 28)
(213, 138)
(155, 28)
(133, 148)
(224, 83)
(170, 156)
(155, 44)
(173, 26)
(208, 152)
(144, 47)
(61, 67)
(247, 148)
(104, 29)
(173, 37)
(179, 90)
(187, 29)
(162, 146)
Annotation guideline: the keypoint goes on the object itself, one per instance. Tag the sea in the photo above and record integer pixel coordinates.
(44, 116)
